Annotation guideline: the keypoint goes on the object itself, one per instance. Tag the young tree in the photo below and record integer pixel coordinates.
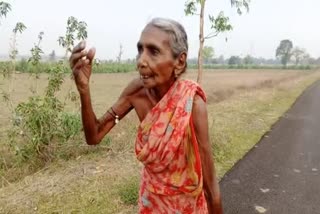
(284, 51)
(36, 51)
(219, 24)
(4, 9)
(298, 54)
(75, 30)
(19, 28)
(36, 55)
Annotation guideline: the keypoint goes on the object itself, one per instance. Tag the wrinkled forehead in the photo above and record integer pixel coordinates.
(154, 35)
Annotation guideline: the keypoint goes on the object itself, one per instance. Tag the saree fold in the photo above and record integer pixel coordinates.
(166, 145)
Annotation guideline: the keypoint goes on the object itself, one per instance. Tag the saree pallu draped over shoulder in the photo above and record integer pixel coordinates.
(166, 145)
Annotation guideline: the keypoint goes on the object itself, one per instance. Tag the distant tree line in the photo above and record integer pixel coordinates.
(285, 54)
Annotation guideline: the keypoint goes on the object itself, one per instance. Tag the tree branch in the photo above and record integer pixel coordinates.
(211, 35)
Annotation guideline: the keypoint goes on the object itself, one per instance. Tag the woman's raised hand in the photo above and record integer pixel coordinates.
(81, 65)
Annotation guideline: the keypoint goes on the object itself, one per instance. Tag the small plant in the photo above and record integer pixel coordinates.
(38, 121)
(70, 125)
(75, 30)
(19, 28)
(35, 58)
(36, 53)
(10, 71)
(41, 125)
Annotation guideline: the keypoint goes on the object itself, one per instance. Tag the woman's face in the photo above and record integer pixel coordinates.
(155, 61)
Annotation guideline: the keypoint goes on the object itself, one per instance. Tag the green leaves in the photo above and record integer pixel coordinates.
(62, 42)
(55, 81)
(219, 24)
(75, 30)
(20, 27)
(190, 7)
(36, 51)
(4, 8)
(284, 51)
(82, 31)
(42, 123)
(241, 5)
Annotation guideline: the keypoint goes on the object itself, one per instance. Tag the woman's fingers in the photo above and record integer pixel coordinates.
(77, 52)
(91, 54)
(77, 69)
(79, 47)
(78, 65)
(75, 57)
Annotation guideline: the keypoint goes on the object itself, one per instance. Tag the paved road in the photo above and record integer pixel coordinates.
(281, 175)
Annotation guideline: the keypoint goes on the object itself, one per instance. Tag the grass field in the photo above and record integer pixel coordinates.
(242, 104)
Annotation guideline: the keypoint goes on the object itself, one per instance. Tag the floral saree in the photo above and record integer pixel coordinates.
(166, 144)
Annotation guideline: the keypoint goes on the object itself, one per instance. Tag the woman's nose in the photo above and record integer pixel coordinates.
(141, 61)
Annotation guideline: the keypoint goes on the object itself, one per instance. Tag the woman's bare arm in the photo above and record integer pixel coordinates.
(210, 183)
(94, 129)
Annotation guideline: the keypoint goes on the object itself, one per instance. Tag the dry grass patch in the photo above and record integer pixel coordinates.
(81, 186)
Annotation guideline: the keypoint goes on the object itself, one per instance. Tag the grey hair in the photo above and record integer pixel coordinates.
(178, 36)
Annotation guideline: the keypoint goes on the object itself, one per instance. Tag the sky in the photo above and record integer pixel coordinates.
(114, 22)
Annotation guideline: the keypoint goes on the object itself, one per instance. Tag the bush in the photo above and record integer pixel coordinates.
(41, 122)
(70, 125)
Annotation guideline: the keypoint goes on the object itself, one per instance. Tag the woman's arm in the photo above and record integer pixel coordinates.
(94, 129)
(210, 183)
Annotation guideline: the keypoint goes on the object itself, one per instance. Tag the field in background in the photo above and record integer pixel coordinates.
(242, 104)
(105, 88)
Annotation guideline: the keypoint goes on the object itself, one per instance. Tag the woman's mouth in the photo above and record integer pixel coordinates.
(144, 76)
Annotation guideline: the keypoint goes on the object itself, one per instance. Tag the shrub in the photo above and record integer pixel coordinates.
(41, 121)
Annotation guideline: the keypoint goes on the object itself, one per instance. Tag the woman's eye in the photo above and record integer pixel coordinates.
(139, 51)
(154, 51)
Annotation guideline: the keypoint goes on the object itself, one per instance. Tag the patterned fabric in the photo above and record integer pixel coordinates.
(166, 145)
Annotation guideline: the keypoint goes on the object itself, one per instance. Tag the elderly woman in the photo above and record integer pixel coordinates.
(172, 140)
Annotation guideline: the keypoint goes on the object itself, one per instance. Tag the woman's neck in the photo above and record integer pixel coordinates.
(159, 92)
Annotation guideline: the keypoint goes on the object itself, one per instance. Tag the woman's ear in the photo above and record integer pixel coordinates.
(181, 63)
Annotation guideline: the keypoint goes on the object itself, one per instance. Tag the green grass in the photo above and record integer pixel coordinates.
(129, 191)
(240, 123)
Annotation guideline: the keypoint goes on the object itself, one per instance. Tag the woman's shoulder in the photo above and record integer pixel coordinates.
(199, 91)
(133, 87)
(189, 82)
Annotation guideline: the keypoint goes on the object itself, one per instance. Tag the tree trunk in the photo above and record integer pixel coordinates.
(13, 61)
(201, 40)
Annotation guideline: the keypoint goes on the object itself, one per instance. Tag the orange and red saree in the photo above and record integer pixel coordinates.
(166, 144)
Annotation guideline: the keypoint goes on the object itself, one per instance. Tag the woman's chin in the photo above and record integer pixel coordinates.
(148, 83)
